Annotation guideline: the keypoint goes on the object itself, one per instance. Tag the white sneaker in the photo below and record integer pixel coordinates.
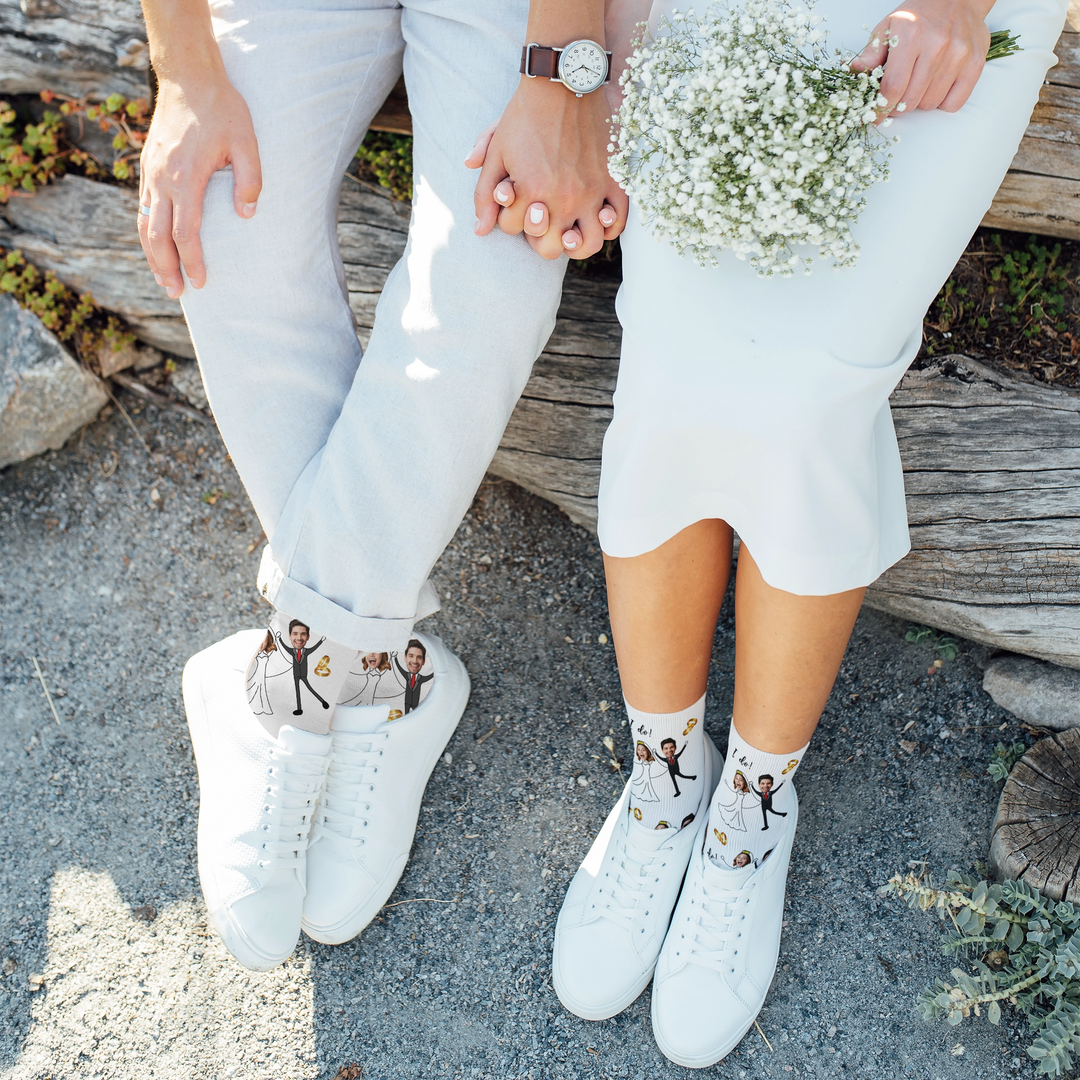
(619, 904)
(719, 956)
(366, 820)
(257, 797)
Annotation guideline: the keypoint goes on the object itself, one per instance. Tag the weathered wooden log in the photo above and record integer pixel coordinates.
(85, 232)
(992, 472)
(1036, 834)
(1041, 192)
(85, 48)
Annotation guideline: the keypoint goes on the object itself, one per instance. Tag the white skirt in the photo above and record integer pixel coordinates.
(764, 402)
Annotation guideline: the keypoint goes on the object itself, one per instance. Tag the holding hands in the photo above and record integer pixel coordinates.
(544, 163)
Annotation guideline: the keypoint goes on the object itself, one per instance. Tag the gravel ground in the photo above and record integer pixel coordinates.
(119, 564)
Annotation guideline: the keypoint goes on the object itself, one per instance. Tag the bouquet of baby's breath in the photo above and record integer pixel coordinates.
(740, 130)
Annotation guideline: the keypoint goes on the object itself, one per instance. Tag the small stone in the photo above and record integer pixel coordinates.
(448, 758)
(583, 781)
(602, 639)
(908, 746)
(146, 913)
(45, 394)
(604, 706)
(470, 767)
(9, 965)
(35, 981)
(132, 354)
(1035, 691)
(957, 1050)
(831, 1033)
(187, 382)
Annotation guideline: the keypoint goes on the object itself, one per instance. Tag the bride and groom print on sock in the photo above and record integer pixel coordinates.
(750, 800)
(296, 675)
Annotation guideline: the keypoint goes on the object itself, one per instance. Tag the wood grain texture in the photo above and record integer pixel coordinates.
(992, 472)
(1036, 833)
(1041, 192)
(87, 48)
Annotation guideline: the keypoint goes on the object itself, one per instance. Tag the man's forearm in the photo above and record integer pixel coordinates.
(181, 39)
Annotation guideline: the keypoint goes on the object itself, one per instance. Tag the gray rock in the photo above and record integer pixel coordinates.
(186, 380)
(1034, 691)
(45, 395)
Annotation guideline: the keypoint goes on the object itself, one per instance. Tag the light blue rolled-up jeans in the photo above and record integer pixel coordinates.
(360, 469)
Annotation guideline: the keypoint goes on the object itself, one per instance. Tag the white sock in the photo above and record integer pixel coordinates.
(296, 677)
(751, 803)
(668, 753)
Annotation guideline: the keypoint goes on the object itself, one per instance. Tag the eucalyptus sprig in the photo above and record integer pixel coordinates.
(1023, 949)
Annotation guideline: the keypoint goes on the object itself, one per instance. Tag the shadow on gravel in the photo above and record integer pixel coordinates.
(111, 587)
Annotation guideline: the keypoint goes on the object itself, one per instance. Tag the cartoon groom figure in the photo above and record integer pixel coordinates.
(415, 658)
(297, 651)
(671, 759)
(765, 782)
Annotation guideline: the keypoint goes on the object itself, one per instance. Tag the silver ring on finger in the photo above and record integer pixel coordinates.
(144, 211)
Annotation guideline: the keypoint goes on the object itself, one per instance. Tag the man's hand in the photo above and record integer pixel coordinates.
(933, 52)
(544, 171)
(198, 128)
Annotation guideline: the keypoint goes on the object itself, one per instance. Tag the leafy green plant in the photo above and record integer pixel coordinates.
(72, 318)
(1004, 758)
(948, 647)
(1022, 949)
(386, 159)
(1035, 285)
(33, 154)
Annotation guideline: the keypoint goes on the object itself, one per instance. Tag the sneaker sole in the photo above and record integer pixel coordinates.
(450, 673)
(607, 1011)
(202, 744)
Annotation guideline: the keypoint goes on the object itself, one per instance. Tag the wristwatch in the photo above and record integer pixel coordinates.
(582, 66)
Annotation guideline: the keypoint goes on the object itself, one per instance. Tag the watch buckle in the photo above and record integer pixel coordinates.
(528, 59)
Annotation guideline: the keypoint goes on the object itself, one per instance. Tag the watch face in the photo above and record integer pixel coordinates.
(583, 66)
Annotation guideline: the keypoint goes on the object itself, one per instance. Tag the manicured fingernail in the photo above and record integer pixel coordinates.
(569, 241)
(249, 209)
(476, 226)
(170, 292)
(502, 196)
(158, 279)
(536, 214)
(607, 217)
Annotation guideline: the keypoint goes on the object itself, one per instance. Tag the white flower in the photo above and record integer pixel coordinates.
(740, 131)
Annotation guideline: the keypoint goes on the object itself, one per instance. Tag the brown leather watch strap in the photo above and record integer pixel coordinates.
(541, 59)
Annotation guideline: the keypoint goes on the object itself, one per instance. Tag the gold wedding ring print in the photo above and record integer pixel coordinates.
(322, 668)
(690, 725)
(790, 765)
(721, 836)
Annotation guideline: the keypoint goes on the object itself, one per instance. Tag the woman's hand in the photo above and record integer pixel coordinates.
(933, 52)
(544, 171)
(199, 126)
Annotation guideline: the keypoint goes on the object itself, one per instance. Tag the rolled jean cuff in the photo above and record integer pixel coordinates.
(364, 632)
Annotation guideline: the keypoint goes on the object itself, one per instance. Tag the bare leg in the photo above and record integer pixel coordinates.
(788, 650)
(664, 606)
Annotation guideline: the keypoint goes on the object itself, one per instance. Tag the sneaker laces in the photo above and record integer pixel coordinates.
(713, 923)
(293, 783)
(354, 765)
(628, 873)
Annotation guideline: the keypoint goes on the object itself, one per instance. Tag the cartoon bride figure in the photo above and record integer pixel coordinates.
(257, 689)
(374, 683)
(647, 770)
(732, 810)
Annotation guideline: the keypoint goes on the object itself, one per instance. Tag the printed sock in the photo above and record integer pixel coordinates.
(751, 803)
(669, 765)
(400, 681)
(296, 676)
